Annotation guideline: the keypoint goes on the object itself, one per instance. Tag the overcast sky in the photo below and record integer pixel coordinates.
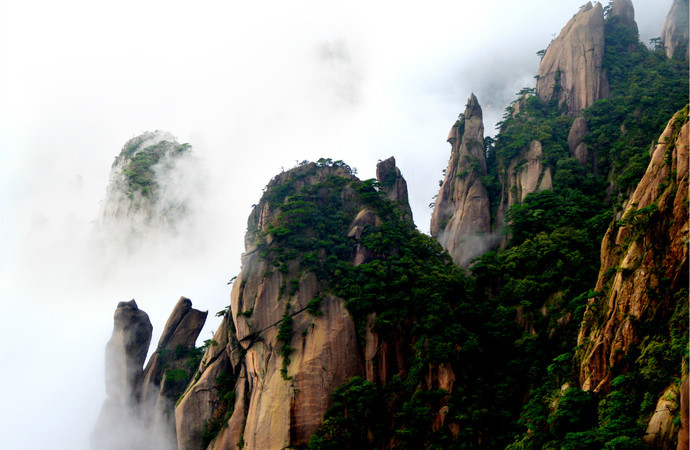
(254, 87)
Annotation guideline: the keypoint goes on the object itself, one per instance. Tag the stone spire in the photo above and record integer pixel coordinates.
(461, 221)
(572, 68)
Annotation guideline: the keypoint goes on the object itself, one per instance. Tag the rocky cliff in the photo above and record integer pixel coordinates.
(394, 185)
(625, 11)
(674, 35)
(461, 220)
(644, 260)
(286, 341)
(138, 413)
(643, 280)
(347, 328)
(524, 174)
(125, 355)
(571, 70)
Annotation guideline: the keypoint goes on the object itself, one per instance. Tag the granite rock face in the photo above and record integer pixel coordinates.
(644, 261)
(625, 11)
(394, 185)
(525, 174)
(572, 67)
(286, 396)
(461, 220)
(138, 413)
(286, 342)
(660, 429)
(674, 34)
(125, 354)
(576, 145)
(167, 372)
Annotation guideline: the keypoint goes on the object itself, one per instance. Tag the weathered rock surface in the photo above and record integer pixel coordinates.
(572, 67)
(167, 372)
(625, 11)
(461, 220)
(288, 398)
(683, 441)
(126, 352)
(660, 428)
(578, 149)
(644, 262)
(674, 34)
(527, 174)
(394, 185)
(124, 358)
(280, 396)
(139, 411)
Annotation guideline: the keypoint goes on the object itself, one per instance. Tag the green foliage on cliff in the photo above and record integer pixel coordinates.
(552, 258)
(507, 333)
(141, 159)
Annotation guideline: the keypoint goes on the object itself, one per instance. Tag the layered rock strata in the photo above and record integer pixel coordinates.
(461, 220)
(572, 67)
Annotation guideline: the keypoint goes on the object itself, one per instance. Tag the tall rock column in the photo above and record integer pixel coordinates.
(168, 371)
(124, 356)
(572, 68)
(461, 221)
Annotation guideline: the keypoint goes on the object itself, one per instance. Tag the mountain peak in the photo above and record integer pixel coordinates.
(571, 70)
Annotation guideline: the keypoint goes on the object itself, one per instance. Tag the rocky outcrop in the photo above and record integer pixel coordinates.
(461, 220)
(138, 413)
(625, 12)
(526, 174)
(644, 262)
(576, 145)
(661, 428)
(572, 67)
(124, 359)
(394, 185)
(674, 34)
(287, 341)
(167, 372)
(154, 182)
(683, 441)
(285, 352)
